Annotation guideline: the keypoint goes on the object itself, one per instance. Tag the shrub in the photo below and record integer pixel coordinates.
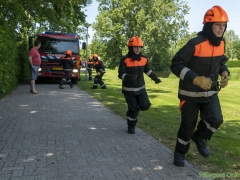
(233, 63)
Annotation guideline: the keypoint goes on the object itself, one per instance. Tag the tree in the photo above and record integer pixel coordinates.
(18, 19)
(97, 47)
(231, 40)
(181, 41)
(24, 14)
(236, 47)
(158, 23)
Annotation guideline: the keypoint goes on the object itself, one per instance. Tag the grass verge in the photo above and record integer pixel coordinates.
(163, 118)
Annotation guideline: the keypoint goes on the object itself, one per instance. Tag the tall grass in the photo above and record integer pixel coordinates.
(162, 120)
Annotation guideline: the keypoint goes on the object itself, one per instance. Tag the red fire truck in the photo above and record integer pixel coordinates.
(53, 46)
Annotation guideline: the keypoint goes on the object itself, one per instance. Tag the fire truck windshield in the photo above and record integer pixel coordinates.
(58, 46)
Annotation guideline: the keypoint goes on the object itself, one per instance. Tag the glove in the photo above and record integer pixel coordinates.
(202, 82)
(154, 77)
(224, 79)
(157, 81)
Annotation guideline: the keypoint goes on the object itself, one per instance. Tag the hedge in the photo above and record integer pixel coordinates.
(233, 63)
(13, 59)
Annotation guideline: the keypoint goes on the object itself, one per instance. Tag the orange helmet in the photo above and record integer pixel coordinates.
(68, 52)
(95, 55)
(135, 41)
(215, 14)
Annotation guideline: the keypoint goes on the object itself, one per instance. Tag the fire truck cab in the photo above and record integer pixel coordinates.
(53, 46)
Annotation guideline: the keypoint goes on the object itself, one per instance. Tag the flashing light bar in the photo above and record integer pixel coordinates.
(59, 32)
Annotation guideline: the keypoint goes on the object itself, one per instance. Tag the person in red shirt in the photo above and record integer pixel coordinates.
(34, 62)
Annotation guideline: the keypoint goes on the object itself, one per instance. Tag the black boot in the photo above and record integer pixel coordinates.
(131, 126)
(104, 87)
(201, 144)
(71, 85)
(179, 159)
(61, 84)
(94, 87)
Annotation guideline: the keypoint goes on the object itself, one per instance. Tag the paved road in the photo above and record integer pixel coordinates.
(67, 135)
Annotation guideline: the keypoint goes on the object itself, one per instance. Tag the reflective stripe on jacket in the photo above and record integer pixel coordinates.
(67, 64)
(99, 67)
(131, 73)
(198, 58)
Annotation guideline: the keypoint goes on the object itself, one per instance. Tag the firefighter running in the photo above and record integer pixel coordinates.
(100, 70)
(131, 69)
(198, 65)
(90, 67)
(67, 64)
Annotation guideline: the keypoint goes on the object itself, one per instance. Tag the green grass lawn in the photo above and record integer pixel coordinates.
(163, 118)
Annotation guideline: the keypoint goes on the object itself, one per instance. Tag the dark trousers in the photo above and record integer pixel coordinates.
(98, 80)
(66, 78)
(90, 73)
(210, 120)
(136, 103)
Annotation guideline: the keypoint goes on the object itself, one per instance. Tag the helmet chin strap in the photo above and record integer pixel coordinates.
(133, 55)
(208, 33)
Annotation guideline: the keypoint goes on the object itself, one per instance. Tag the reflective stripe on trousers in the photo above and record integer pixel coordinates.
(211, 118)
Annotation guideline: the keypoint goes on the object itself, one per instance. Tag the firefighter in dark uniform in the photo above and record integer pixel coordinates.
(130, 71)
(67, 64)
(100, 71)
(199, 64)
(90, 67)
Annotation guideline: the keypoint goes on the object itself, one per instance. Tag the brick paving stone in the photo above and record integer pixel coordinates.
(65, 134)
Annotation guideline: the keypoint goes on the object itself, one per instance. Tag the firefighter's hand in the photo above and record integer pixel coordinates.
(98, 73)
(157, 81)
(202, 82)
(224, 79)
